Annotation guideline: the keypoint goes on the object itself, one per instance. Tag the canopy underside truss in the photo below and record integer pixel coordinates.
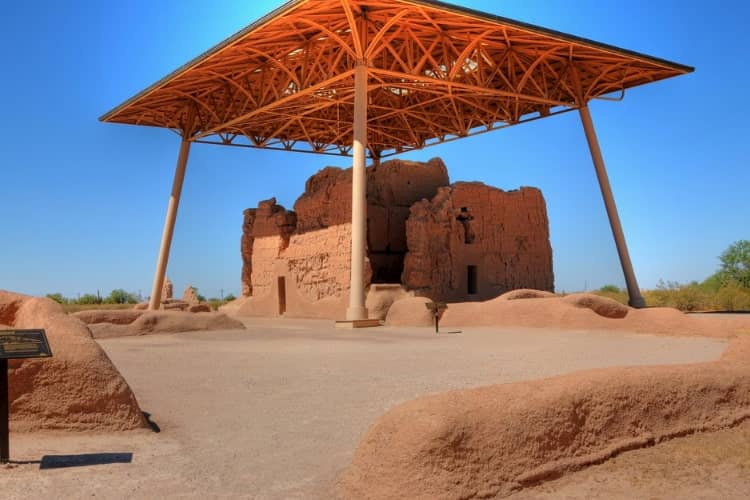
(435, 73)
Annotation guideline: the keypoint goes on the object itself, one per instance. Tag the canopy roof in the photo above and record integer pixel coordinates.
(436, 72)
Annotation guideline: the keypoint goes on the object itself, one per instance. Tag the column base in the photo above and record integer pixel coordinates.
(358, 323)
(637, 302)
(356, 313)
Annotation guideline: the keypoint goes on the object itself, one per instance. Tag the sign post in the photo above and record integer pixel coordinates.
(436, 308)
(16, 344)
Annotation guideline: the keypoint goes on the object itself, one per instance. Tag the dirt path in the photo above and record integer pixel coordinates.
(276, 411)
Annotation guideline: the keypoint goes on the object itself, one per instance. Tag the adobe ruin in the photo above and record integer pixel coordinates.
(425, 237)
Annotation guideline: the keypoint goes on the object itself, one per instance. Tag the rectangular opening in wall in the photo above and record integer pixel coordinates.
(471, 280)
(282, 295)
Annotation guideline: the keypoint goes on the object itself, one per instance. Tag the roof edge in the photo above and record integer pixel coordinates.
(458, 9)
(288, 6)
(438, 4)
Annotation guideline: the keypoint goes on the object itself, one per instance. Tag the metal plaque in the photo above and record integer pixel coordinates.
(17, 344)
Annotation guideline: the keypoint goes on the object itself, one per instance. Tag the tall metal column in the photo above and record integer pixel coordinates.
(357, 310)
(634, 293)
(166, 237)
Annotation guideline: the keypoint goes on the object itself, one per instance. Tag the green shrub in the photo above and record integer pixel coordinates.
(613, 292)
(89, 299)
(120, 296)
(57, 297)
(732, 297)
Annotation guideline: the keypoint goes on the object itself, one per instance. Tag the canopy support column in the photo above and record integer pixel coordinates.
(357, 310)
(634, 292)
(166, 237)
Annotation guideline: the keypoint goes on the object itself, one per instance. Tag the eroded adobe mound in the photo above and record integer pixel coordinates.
(583, 312)
(380, 298)
(411, 311)
(114, 316)
(526, 293)
(490, 441)
(78, 388)
(603, 306)
(151, 322)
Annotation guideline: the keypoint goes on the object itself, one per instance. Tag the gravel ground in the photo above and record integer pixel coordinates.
(276, 411)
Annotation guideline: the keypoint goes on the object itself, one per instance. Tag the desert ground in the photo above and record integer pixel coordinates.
(277, 410)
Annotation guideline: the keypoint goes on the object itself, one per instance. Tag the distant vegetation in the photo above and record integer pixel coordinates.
(726, 290)
(117, 296)
(118, 299)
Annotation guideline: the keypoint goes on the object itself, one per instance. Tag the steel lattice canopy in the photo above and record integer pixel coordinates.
(436, 72)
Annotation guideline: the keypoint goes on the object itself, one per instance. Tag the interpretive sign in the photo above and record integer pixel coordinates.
(16, 344)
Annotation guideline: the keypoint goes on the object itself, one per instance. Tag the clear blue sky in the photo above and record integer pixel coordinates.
(84, 202)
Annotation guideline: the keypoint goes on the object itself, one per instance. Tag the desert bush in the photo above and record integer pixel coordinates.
(732, 297)
(120, 296)
(57, 297)
(613, 292)
(690, 297)
(89, 299)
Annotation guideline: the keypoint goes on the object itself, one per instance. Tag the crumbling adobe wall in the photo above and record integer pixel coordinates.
(265, 233)
(392, 188)
(503, 235)
(312, 244)
(246, 249)
(318, 262)
(298, 262)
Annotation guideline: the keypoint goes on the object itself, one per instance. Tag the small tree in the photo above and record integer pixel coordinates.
(120, 296)
(735, 263)
(88, 299)
(229, 297)
(57, 297)
(200, 297)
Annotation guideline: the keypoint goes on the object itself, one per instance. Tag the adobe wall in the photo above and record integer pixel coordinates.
(310, 247)
(268, 220)
(392, 188)
(503, 235)
(297, 262)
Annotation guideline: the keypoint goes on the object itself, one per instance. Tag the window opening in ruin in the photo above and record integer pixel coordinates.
(471, 280)
(282, 295)
(465, 219)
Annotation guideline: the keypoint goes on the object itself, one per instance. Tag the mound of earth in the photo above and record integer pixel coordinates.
(380, 298)
(78, 388)
(150, 322)
(526, 293)
(602, 306)
(490, 441)
(582, 312)
(114, 316)
(411, 311)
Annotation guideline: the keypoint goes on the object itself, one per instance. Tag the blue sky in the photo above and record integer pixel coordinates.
(84, 202)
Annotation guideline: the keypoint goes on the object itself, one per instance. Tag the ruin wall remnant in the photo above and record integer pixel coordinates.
(476, 242)
(297, 262)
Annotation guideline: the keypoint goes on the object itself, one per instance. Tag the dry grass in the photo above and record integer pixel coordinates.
(688, 298)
